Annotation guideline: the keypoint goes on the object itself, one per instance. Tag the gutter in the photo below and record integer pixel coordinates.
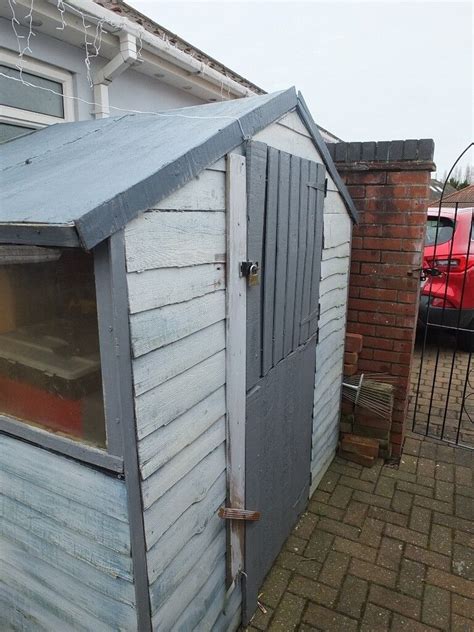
(163, 50)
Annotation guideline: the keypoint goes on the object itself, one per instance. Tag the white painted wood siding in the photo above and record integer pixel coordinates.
(176, 280)
(65, 559)
(289, 134)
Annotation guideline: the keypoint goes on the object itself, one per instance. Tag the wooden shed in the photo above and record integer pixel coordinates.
(173, 291)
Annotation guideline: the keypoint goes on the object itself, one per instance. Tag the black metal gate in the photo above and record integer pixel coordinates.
(442, 402)
(285, 230)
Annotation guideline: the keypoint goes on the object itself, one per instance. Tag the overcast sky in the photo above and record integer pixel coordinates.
(368, 70)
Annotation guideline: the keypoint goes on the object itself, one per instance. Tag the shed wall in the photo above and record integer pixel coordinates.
(176, 280)
(289, 134)
(64, 544)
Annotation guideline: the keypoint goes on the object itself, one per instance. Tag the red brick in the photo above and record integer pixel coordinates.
(415, 232)
(350, 369)
(350, 357)
(406, 205)
(357, 191)
(380, 294)
(354, 342)
(365, 446)
(365, 255)
(406, 258)
(366, 177)
(379, 343)
(408, 177)
(392, 356)
(367, 461)
(381, 243)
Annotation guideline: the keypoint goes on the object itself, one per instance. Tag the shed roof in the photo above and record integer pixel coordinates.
(77, 183)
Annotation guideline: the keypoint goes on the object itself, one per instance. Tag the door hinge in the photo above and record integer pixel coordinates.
(232, 513)
(325, 187)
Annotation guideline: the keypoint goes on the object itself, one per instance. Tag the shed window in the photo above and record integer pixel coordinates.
(50, 372)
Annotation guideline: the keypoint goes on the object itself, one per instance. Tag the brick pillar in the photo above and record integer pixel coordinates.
(389, 183)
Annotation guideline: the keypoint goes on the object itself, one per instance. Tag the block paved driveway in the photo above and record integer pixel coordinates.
(381, 549)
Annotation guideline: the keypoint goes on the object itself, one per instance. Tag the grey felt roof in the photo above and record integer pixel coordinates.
(77, 183)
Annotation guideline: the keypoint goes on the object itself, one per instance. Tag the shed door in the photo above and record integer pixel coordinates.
(285, 224)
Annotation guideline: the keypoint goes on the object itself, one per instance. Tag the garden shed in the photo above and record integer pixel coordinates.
(174, 291)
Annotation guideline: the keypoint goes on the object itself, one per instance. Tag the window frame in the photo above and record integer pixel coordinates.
(28, 118)
(116, 370)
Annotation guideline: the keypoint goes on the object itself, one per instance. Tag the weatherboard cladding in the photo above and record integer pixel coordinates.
(144, 158)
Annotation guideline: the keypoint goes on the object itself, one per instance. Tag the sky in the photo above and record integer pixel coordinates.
(368, 70)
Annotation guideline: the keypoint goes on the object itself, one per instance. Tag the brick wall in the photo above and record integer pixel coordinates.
(389, 183)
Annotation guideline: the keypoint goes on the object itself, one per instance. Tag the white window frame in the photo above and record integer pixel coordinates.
(27, 118)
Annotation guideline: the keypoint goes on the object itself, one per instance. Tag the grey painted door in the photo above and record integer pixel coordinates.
(285, 228)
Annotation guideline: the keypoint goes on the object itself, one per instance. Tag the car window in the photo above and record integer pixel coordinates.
(438, 230)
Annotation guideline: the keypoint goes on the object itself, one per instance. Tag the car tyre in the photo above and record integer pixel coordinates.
(466, 341)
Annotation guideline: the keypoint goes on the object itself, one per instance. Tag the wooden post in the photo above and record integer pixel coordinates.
(236, 314)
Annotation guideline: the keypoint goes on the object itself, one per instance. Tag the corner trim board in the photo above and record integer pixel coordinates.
(124, 393)
(236, 319)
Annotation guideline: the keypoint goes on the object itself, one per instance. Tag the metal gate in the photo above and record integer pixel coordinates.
(285, 222)
(442, 402)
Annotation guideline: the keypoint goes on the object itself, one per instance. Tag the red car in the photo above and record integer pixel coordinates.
(447, 296)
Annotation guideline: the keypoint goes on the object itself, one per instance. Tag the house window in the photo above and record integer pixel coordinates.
(50, 369)
(24, 108)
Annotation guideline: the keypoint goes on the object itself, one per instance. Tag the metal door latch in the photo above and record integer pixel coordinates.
(250, 270)
(231, 513)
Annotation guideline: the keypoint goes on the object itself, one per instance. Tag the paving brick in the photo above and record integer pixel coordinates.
(355, 549)
(339, 528)
(420, 519)
(390, 553)
(341, 495)
(441, 539)
(320, 496)
(329, 481)
(388, 516)
(371, 499)
(444, 491)
(463, 475)
(426, 467)
(463, 606)
(432, 503)
(385, 487)
(462, 490)
(407, 535)
(412, 446)
(454, 522)
(463, 538)
(308, 568)
(344, 468)
(464, 457)
(411, 579)
(319, 545)
(305, 525)
(402, 624)
(288, 614)
(402, 502)
(464, 508)
(426, 481)
(355, 513)
(408, 463)
(414, 488)
(428, 450)
(295, 544)
(436, 609)
(399, 475)
(376, 619)
(444, 472)
(357, 483)
(353, 596)
(371, 532)
(316, 591)
(449, 582)
(373, 573)
(444, 453)
(372, 474)
(463, 562)
(334, 568)
(328, 620)
(274, 586)
(404, 605)
(322, 509)
(460, 624)
(428, 557)
(288, 559)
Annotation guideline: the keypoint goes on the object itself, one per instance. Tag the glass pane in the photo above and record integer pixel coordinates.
(7, 131)
(49, 344)
(439, 231)
(17, 95)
